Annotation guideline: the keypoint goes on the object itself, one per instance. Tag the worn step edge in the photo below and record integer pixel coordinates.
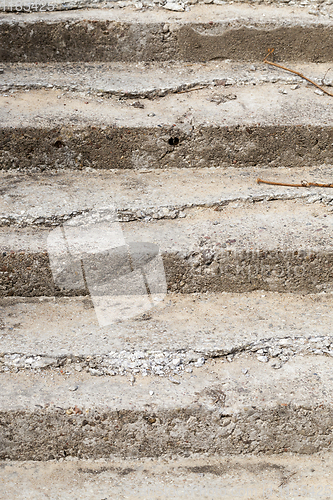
(181, 333)
(237, 32)
(237, 408)
(50, 199)
(157, 80)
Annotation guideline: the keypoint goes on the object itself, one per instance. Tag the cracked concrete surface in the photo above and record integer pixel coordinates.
(65, 332)
(50, 198)
(150, 80)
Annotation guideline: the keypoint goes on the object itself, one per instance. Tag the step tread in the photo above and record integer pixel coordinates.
(204, 324)
(287, 385)
(265, 105)
(196, 476)
(280, 224)
(49, 198)
(154, 79)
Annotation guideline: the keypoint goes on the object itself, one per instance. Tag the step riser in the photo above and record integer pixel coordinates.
(29, 274)
(118, 41)
(45, 435)
(161, 147)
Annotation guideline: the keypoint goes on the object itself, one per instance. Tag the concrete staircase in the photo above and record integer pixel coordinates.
(165, 321)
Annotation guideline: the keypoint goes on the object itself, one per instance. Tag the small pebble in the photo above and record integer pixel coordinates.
(173, 6)
(151, 393)
(73, 387)
(262, 359)
(174, 381)
(200, 362)
(319, 92)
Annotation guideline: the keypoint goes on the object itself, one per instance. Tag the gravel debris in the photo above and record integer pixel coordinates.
(166, 363)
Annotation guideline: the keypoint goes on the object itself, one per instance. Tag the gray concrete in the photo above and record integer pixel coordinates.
(243, 407)
(250, 478)
(236, 359)
(238, 32)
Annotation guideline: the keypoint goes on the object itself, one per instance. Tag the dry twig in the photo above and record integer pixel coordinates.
(270, 51)
(303, 184)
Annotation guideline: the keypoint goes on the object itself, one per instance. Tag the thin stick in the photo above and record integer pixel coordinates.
(303, 184)
(270, 51)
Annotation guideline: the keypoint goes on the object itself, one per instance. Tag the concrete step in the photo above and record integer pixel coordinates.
(242, 126)
(48, 199)
(48, 333)
(238, 408)
(253, 478)
(282, 245)
(206, 32)
(149, 80)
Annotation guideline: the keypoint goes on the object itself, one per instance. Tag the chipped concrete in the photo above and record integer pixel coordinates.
(48, 199)
(150, 80)
(46, 333)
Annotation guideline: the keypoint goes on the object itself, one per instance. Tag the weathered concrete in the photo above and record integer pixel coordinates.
(224, 410)
(149, 80)
(279, 246)
(199, 477)
(249, 126)
(44, 333)
(202, 34)
(48, 199)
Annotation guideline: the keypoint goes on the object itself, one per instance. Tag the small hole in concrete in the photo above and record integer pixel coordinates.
(58, 144)
(173, 141)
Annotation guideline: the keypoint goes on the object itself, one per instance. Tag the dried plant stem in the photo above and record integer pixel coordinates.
(303, 184)
(270, 51)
